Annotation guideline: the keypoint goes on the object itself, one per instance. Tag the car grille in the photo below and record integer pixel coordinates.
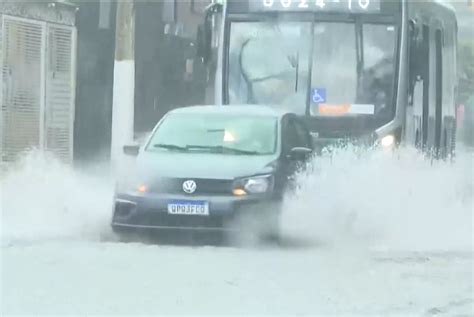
(203, 186)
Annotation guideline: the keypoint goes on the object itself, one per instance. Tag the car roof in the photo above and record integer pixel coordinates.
(252, 110)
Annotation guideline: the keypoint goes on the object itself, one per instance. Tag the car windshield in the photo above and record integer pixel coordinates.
(216, 133)
(269, 64)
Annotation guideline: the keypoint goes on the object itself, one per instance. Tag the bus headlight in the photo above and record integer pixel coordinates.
(387, 141)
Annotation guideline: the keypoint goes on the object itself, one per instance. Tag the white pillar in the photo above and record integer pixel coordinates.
(124, 81)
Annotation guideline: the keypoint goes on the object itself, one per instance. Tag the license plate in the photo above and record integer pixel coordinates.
(194, 207)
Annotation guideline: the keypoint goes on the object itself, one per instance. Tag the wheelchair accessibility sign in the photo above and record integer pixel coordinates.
(318, 95)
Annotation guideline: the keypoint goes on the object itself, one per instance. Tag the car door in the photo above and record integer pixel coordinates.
(304, 136)
(306, 140)
(294, 135)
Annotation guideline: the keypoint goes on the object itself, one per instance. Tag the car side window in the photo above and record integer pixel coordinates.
(286, 137)
(303, 134)
(292, 135)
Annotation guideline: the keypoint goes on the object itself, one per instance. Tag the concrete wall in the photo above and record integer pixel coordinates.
(162, 51)
(40, 10)
(161, 82)
(96, 50)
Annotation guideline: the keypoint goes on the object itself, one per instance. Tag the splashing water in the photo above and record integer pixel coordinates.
(387, 201)
(43, 199)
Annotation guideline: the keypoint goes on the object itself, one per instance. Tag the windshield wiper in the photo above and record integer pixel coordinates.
(170, 146)
(250, 95)
(218, 148)
(221, 148)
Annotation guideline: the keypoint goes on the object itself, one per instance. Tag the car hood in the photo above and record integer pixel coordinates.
(202, 165)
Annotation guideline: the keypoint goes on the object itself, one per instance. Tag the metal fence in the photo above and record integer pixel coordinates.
(37, 95)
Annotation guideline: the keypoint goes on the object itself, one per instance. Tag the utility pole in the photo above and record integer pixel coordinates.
(124, 80)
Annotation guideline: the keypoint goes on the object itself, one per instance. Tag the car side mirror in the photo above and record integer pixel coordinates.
(299, 153)
(131, 150)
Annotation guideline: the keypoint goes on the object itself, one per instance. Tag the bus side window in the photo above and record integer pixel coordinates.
(415, 59)
(425, 74)
(438, 93)
(449, 86)
(420, 84)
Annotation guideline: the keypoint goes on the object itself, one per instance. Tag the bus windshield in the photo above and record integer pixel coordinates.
(350, 71)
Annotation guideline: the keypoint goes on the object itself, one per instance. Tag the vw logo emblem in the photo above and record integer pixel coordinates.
(189, 186)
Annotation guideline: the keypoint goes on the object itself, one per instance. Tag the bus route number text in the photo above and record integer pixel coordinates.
(304, 4)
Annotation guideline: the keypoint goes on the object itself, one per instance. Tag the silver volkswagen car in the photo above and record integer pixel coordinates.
(214, 169)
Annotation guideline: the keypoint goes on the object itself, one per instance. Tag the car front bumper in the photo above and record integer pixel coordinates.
(150, 211)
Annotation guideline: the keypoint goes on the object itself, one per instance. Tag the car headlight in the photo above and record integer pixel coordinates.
(253, 185)
(132, 187)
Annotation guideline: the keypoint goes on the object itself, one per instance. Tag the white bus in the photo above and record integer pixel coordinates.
(364, 71)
